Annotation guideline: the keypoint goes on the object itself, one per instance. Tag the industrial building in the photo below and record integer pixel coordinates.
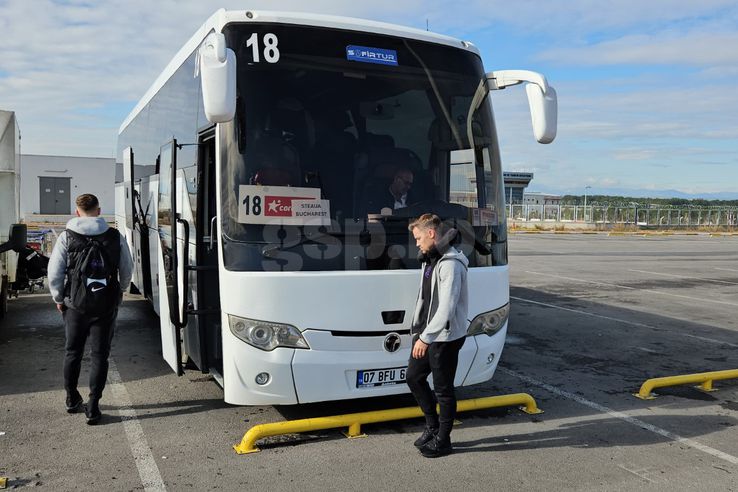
(50, 184)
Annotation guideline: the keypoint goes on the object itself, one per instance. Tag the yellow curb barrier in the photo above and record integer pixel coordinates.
(354, 421)
(705, 378)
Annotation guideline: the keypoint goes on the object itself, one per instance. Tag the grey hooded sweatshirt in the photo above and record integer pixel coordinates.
(449, 299)
(57, 269)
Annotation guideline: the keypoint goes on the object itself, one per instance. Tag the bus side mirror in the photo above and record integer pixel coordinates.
(16, 239)
(543, 112)
(541, 99)
(217, 66)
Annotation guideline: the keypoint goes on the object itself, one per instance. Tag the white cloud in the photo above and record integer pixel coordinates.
(579, 19)
(635, 154)
(699, 48)
(606, 182)
(73, 70)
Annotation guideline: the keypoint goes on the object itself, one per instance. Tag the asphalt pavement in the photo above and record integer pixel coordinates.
(591, 318)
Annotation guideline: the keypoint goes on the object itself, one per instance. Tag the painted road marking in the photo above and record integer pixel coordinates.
(147, 469)
(639, 472)
(625, 417)
(685, 276)
(623, 321)
(634, 288)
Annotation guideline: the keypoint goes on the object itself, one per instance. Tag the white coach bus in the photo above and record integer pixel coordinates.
(257, 172)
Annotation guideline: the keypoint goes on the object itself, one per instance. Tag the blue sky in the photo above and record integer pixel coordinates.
(647, 90)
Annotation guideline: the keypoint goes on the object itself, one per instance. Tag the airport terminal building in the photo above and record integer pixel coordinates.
(515, 184)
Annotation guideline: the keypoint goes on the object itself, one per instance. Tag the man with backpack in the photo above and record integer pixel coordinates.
(89, 269)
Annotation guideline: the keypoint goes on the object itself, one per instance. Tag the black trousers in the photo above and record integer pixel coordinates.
(441, 360)
(79, 327)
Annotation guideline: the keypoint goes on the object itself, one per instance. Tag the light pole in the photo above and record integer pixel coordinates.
(635, 213)
(585, 202)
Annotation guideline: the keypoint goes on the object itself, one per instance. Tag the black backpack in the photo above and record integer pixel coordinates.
(92, 272)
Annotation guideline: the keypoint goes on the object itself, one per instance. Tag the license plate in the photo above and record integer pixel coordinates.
(380, 377)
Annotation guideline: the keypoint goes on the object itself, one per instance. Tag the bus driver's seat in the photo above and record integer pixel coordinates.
(276, 163)
(383, 164)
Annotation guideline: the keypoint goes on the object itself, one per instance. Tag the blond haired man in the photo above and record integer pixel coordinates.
(439, 331)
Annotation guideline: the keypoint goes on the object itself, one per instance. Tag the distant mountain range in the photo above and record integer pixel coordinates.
(638, 193)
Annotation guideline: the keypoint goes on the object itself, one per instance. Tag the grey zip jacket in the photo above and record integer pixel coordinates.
(449, 305)
(89, 226)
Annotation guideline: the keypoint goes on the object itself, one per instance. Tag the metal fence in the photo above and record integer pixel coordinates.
(640, 215)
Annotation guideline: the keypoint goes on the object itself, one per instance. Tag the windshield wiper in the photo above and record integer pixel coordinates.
(269, 251)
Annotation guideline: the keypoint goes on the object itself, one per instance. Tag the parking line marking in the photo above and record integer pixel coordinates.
(640, 473)
(648, 351)
(624, 321)
(634, 288)
(147, 469)
(685, 276)
(626, 418)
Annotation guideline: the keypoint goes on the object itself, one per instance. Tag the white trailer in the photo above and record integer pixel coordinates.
(9, 203)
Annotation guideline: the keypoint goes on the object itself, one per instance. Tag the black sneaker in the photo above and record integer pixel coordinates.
(428, 434)
(74, 403)
(92, 412)
(436, 448)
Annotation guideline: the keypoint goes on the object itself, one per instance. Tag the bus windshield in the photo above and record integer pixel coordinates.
(362, 132)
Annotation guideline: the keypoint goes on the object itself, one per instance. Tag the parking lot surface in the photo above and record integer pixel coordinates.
(591, 318)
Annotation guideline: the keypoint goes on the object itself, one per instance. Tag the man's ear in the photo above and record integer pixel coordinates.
(432, 233)
(76, 212)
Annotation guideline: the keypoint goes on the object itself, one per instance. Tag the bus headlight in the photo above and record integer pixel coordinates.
(265, 335)
(490, 322)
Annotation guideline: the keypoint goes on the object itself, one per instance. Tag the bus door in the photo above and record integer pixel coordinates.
(201, 346)
(136, 223)
(172, 259)
(144, 250)
(189, 301)
(202, 337)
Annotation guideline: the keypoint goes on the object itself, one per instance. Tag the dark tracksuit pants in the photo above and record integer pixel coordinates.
(79, 327)
(441, 360)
